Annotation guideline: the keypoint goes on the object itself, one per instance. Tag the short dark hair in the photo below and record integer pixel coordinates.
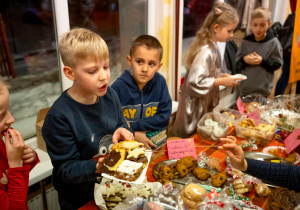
(149, 41)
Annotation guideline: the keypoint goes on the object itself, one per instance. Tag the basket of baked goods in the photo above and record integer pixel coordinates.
(230, 115)
(127, 161)
(261, 131)
(213, 126)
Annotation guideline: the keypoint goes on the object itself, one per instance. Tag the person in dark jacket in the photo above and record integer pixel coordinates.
(143, 92)
(279, 174)
(85, 120)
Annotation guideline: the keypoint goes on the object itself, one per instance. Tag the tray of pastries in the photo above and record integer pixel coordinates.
(127, 161)
(185, 170)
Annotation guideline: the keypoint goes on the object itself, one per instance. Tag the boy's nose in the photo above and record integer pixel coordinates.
(145, 68)
(102, 75)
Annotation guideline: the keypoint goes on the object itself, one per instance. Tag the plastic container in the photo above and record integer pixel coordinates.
(231, 115)
(212, 126)
(261, 131)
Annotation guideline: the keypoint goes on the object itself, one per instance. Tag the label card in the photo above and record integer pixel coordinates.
(181, 148)
(240, 105)
(292, 141)
(254, 115)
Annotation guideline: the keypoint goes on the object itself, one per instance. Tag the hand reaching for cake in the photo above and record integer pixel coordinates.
(122, 133)
(140, 136)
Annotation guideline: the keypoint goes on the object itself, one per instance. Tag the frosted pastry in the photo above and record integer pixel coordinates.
(129, 170)
(210, 122)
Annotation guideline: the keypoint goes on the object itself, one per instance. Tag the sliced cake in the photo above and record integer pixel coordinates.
(129, 170)
(112, 161)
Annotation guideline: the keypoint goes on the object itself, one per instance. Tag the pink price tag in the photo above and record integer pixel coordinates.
(181, 148)
(292, 141)
(254, 115)
(240, 105)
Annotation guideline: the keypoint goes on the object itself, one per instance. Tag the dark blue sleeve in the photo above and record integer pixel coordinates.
(275, 173)
(275, 60)
(162, 117)
(62, 149)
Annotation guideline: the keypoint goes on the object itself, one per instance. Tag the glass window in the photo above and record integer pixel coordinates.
(31, 46)
(28, 41)
(104, 17)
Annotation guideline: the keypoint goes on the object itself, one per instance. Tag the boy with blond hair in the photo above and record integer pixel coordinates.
(85, 120)
(259, 55)
(143, 92)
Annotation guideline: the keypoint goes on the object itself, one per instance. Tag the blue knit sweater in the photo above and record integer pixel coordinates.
(279, 174)
(74, 133)
(148, 109)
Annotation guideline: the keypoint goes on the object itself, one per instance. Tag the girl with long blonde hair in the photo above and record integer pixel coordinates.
(200, 93)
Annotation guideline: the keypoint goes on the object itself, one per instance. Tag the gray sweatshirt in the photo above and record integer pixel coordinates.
(259, 77)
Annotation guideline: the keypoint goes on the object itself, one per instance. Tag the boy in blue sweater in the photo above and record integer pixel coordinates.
(85, 120)
(143, 92)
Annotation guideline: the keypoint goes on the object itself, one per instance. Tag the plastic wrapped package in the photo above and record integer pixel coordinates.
(256, 102)
(259, 130)
(232, 116)
(165, 200)
(193, 195)
(212, 126)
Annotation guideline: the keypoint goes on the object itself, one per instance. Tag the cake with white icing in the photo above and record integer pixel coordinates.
(129, 170)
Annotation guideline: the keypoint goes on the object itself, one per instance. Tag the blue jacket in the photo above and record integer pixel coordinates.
(146, 110)
(74, 133)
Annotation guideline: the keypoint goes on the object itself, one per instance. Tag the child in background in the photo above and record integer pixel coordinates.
(143, 92)
(200, 93)
(85, 120)
(16, 159)
(259, 55)
(279, 174)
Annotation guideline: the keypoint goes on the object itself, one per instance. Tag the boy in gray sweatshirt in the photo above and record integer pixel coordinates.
(259, 55)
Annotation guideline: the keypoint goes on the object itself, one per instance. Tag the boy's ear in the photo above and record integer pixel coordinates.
(159, 67)
(69, 73)
(129, 60)
(269, 24)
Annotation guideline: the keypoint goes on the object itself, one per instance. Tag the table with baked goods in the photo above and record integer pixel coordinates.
(201, 145)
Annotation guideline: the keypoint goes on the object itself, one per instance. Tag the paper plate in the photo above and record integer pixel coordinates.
(141, 178)
(266, 151)
(240, 76)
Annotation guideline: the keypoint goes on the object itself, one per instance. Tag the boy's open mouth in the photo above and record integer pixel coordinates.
(103, 87)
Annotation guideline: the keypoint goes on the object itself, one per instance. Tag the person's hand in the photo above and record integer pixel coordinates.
(229, 140)
(257, 59)
(250, 59)
(14, 149)
(225, 75)
(234, 152)
(253, 59)
(227, 81)
(29, 155)
(153, 206)
(122, 133)
(140, 136)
